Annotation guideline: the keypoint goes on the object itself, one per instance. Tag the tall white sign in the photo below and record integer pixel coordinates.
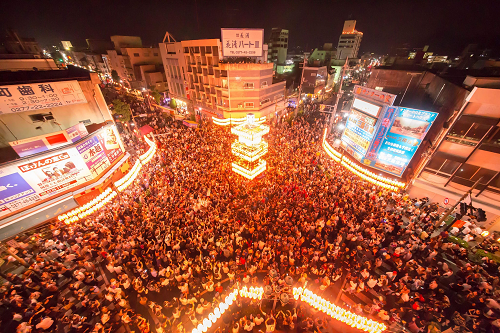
(242, 42)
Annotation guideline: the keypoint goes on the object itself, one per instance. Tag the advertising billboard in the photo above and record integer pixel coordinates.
(40, 177)
(359, 131)
(401, 141)
(368, 108)
(242, 42)
(374, 95)
(36, 96)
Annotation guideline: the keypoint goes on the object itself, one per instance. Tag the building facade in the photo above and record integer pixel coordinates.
(467, 153)
(212, 87)
(140, 67)
(60, 148)
(349, 41)
(278, 46)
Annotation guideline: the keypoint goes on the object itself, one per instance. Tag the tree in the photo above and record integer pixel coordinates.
(123, 109)
(115, 76)
(156, 95)
(173, 104)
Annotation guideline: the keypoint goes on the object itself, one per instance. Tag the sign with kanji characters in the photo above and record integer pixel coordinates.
(242, 42)
(374, 95)
(29, 97)
(359, 131)
(93, 154)
(32, 179)
(402, 140)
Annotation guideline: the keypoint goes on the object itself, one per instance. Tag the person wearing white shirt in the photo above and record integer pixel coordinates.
(45, 323)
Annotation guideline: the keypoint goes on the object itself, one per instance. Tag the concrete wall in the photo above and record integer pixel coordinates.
(27, 64)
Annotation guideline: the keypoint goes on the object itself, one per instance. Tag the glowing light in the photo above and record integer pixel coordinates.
(485, 233)
(363, 173)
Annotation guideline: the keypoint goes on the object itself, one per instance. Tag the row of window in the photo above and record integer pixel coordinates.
(251, 85)
(472, 173)
(146, 54)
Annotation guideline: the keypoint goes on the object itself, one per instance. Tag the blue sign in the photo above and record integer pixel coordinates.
(408, 129)
(359, 131)
(13, 187)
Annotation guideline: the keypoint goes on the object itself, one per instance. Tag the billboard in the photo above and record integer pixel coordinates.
(30, 97)
(242, 42)
(401, 140)
(368, 108)
(34, 179)
(374, 95)
(359, 131)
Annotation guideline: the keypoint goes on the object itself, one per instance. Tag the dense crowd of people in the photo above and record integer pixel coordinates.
(189, 229)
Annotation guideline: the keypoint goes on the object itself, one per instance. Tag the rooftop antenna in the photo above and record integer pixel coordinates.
(168, 37)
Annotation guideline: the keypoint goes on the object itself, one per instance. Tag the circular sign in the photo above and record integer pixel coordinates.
(446, 201)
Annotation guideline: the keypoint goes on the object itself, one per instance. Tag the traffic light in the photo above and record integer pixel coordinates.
(481, 215)
(463, 208)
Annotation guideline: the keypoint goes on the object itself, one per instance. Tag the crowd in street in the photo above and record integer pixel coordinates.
(189, 229)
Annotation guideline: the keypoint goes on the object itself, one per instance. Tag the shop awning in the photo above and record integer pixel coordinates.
(145, 129)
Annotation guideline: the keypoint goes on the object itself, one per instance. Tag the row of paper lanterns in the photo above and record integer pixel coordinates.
(305, 295)
(345, 316)
(89, 208)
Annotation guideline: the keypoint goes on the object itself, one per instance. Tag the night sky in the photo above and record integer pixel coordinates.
(447, 26)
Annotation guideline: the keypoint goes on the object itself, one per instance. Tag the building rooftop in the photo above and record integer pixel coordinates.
(72, 73)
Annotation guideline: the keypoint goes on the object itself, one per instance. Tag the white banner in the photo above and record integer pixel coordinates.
(29, 97)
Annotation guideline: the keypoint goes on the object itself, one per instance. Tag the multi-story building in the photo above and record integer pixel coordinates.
(462, 146)
(140, 66)
(14, 46)
(278, 46)
(215, 87)
(468, 152)
(59, 145)
(349, 41)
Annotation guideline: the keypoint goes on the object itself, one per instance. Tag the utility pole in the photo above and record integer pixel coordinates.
(449, 211)
(339, 96)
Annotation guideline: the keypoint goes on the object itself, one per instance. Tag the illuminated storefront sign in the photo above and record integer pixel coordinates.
(366, 107)
(359, 131)
(402, 140)
(29, 97)
(242, 42)
(374, 95)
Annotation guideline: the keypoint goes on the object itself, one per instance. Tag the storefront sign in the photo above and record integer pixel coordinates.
(29, 97)
(374, 95)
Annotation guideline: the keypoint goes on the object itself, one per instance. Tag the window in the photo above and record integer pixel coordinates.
(248, 85)
(467, 171)
(264, 101)
(436, 163)
(248, 105)
(477, 131)
(263, 84)
(136, 54)
(41, 117)
(449, 167)
(461, 127)
(186, 50)
(486, 175)
(240, 106)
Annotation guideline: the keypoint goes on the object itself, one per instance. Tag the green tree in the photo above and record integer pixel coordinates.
(123, 109)
(173, 104)
(115, 76)
(156, 95)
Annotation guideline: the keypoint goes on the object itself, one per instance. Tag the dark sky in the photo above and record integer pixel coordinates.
(446, 25)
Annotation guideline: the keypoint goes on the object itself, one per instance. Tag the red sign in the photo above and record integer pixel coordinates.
(446, 201)
(374, 95)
